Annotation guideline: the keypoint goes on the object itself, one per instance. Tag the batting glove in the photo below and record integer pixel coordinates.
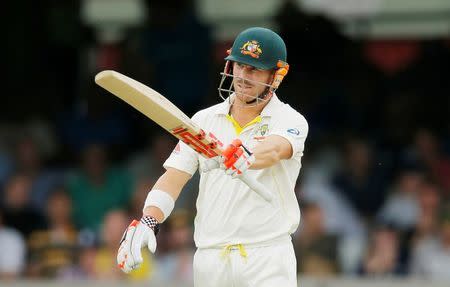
(137, 235)
(235, 160)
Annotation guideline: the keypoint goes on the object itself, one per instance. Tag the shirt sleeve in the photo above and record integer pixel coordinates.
(293, 127)
(183, 157)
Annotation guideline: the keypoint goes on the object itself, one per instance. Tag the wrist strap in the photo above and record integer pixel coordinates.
(161, 200)
(151, 222)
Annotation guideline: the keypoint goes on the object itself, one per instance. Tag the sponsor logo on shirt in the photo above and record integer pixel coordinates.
(294, 132)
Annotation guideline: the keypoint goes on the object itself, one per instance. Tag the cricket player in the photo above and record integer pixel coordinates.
(241, 239)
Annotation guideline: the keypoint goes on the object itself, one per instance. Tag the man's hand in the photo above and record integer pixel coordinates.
(235, 160)
(137, 235)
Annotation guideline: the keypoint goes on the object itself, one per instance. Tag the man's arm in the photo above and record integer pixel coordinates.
(270, 151)
(172, 182)
(158, 206)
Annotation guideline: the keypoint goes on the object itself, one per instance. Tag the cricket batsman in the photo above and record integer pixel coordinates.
(241, 239)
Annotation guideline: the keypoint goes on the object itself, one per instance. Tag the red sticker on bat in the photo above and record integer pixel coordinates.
(195, 141)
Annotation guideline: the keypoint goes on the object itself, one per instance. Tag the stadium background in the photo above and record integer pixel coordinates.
(371, 77)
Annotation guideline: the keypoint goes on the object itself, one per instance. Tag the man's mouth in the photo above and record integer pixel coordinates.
(243, 86)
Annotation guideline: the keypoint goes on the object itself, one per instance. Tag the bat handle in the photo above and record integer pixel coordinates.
(257, 187)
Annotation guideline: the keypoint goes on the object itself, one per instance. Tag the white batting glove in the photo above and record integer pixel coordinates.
(213, 163)
(235, 160)
(242, 164)
(137, 235)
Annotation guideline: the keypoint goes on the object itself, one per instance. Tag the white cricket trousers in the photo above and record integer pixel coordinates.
(239, 265)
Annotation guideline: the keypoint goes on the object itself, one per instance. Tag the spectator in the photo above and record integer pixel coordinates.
(316, 251)
(97, 188)
(339, 216)
(429, 203)
(83, 268)
(428, 152)
(105, 262)
(17, 210)
(361, 181)
(176, 264)
(141, 189)
(149, 163)
(29, 161)
(55, 247)
(401, 209)
(12, 257)
(383, 258)
(431, 257)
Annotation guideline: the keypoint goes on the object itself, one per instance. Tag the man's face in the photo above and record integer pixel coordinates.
(248, 81)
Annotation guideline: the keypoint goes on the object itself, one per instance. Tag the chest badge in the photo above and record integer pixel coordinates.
(261, 132)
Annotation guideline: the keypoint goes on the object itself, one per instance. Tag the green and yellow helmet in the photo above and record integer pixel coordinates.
(258, 47)
(261, 48)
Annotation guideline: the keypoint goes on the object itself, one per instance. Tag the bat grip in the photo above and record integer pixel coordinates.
(257, 187)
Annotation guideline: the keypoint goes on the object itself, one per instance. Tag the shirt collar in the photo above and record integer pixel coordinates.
(271, 107)
(224, 107)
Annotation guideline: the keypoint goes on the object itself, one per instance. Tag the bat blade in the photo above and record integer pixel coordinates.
(159, 109)
(142, 98)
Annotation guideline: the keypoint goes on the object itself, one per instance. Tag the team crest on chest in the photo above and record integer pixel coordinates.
(261, 132)
(252, 49)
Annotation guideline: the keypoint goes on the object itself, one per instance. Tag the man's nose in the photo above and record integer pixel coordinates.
(244, 73)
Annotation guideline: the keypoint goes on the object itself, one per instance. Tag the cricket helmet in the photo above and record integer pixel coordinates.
(258, 47)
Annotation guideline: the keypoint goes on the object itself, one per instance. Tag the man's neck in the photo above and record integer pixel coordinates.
(244, 114)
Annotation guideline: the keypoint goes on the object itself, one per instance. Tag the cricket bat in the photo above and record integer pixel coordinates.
(163, 112)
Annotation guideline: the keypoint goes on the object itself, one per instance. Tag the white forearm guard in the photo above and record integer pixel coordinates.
(160, 199)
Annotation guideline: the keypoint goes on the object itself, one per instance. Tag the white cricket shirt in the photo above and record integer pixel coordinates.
(228, 212)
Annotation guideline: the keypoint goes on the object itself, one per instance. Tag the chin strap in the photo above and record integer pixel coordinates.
(267, 91)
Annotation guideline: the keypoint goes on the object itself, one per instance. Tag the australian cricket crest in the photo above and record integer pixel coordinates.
(261, 132)
(252, 49)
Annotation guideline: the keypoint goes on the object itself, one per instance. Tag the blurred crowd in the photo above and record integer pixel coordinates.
(76, 164)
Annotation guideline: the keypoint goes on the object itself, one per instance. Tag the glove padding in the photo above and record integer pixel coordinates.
(136, 236)
(235, 160)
